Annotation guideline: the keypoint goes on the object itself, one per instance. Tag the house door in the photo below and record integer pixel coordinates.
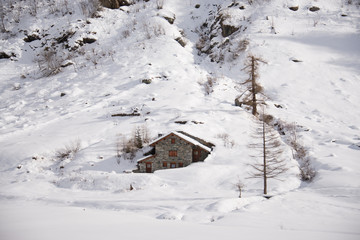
(148, 168)
(196, 155)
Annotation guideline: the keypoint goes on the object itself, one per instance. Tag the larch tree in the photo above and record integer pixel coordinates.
(267, 145)
(253, 88)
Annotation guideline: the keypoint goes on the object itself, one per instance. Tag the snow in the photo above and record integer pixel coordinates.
(88, 196)
(188, 139)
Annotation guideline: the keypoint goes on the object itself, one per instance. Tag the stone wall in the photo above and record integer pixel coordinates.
(183, 148)
(184, 156)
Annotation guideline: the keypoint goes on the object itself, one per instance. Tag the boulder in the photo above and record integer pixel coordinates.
(114, 4)
(227, 30)
(4, 55)
(181, 41)
(30, 38)
(294, 8)
(146, 81)
(167, 15)
(314, 9)
(88, 40)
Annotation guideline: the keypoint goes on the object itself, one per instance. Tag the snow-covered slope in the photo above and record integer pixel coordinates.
(41, 114)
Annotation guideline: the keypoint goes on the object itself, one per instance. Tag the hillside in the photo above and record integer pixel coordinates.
(70, 68)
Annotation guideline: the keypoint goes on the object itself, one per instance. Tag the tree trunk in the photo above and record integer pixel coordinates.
(253, 86)
(264, 159)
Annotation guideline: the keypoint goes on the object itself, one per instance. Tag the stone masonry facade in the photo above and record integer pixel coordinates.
(172, 152)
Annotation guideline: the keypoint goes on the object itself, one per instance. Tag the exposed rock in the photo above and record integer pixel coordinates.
(16, 86)
(65, 37)
(3, 55)
(85, 41)
(238, 103)
(227, 30)
(197, 6)
(167, 15)
(126, 114)
(62, 94)
(314, 9)
(32, 37)
(170, 20)
(197, 122)
(233, 4)
(181, 41)
(89, 40)
(67, 64)
(146, 81)
(242, 7)
(180, 122)
(295, 8)
(114, 4)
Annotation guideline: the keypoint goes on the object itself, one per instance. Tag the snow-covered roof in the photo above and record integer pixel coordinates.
(184, 137)
(146, 157)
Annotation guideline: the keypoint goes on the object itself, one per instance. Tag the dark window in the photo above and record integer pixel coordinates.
(196, 152)
(165, 164)
(172, 153)
(172, 165)
(181, 164)
(173, 141)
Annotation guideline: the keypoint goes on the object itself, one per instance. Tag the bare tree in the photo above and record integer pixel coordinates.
(239, 186)
(253, 88)
(2, 16)
(267, 144)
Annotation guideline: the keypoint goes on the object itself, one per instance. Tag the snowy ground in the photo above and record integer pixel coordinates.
(89, 196)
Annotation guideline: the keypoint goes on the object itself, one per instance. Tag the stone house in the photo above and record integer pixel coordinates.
(173, 150)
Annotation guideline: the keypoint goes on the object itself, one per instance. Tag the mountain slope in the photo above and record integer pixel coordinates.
(40, 114)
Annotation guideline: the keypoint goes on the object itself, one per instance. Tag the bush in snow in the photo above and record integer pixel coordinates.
(159, 4)
(299, 151)
(49, 62)
(89, 8)
(127, 148)
(209, 84)
(153, 31)
(69, 151)
(239, 187)
(301, 154)
(226, 140)
(352, 2)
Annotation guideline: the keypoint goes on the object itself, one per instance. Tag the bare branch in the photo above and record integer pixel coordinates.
(267, 145)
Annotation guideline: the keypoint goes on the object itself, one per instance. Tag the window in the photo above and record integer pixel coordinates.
(172, 165)
(181, 164)
(196, 152)
(173, 141)
(172, 153)
(165, 164)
